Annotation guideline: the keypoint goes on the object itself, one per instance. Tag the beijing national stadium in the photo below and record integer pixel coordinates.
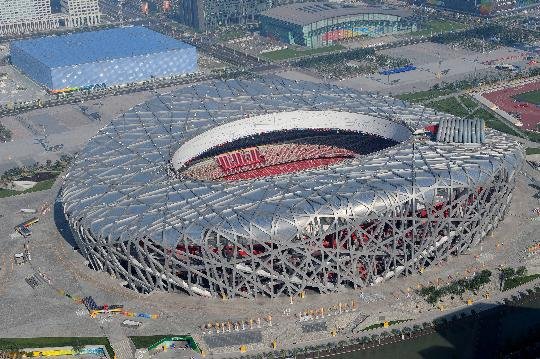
(270, 187)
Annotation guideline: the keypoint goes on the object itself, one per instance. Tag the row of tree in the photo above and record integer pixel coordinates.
(507, 274)
(493, 32)
(5, 134)
(433, 295)
(340, 64)
(16, 173)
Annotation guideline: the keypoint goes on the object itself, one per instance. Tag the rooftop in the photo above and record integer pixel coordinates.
(307, 13)
(94, 46)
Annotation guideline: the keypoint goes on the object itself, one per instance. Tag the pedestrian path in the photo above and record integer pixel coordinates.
(123, 348)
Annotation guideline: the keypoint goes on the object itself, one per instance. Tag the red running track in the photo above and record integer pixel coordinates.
(528, 113)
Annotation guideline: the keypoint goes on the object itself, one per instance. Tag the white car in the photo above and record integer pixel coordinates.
(131, 323)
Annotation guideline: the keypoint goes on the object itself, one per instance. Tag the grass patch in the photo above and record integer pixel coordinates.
(13, 344)
(530, 97)
(145, 341)
(493, 122)
(233, 33)
(519, 280)
(438, 26)
(453, 107)
(533, 136)
(450, 105)
(532, 151)
(380, 325)
(468, 102)
(40, 186)
(425, 95)
(289, 53)
(150, 340)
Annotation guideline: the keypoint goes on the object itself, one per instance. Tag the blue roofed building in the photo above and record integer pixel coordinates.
(110, 57)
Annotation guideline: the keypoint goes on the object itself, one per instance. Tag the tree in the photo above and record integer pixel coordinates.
(506, 273)
(521, 271)
(77, 346)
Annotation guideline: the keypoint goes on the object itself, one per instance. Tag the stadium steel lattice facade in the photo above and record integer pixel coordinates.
(368, 218)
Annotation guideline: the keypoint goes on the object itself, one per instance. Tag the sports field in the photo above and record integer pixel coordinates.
(520, 101)
(530, 97)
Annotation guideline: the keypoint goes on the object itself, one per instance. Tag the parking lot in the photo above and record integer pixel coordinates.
(15, 87)
(35, 133)
(435, 63)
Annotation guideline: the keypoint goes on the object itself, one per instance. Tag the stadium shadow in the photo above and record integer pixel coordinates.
(510, 330)
(62, 224)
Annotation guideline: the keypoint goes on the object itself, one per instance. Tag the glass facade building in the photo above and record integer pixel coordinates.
(109, 57)
(321, 24)
(210, 14)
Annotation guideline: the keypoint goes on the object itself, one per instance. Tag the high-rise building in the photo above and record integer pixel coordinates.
(20, 16)
(209, 14)
(481, 7)
(81, 12)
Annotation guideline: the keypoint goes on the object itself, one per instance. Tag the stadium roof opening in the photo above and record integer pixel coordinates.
(288, 121)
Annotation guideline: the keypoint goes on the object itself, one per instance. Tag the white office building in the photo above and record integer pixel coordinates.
(22, 16)
(81, 12)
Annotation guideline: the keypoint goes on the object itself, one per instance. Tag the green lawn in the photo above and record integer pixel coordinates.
(10, 344)
(532, 151)
(233, 33)
(437, 26)
(293, 53)
(145, 341)
(531, 97)
(468, 102)
(450, 105)
(533, 136)
(149, 340)
(517, 281)
(495, 123)
(425, 95)
(40, 186)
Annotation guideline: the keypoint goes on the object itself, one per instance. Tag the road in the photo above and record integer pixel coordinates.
(240, 64)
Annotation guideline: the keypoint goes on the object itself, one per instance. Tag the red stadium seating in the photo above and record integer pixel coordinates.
(274, 160)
